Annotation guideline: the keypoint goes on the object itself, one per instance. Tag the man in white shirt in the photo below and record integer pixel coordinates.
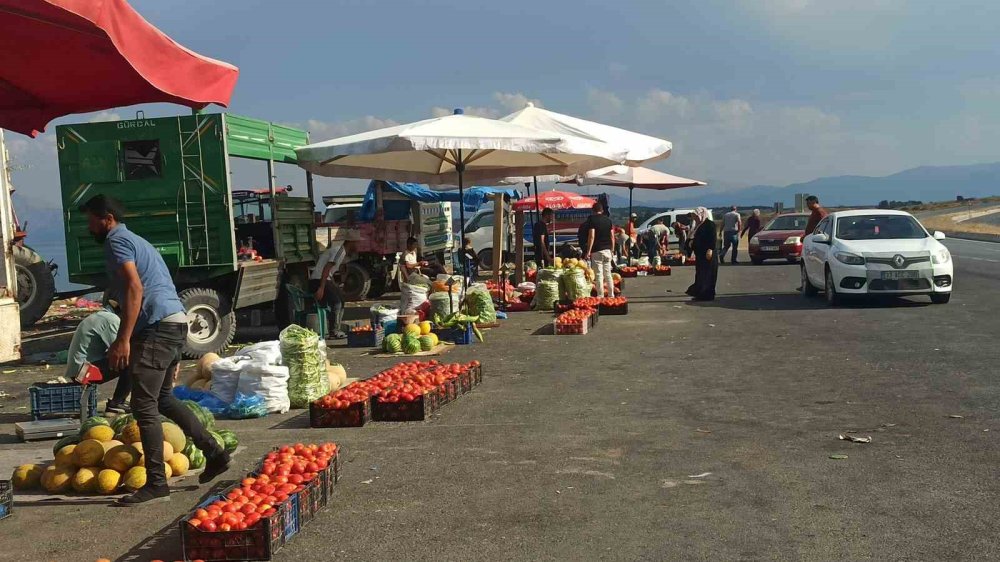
(325, 289)
(732, 223)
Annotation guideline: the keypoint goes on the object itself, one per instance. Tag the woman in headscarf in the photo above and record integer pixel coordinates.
(703, 242)
(753, 225)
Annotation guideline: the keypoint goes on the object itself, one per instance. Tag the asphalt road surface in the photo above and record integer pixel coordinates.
(683, 431)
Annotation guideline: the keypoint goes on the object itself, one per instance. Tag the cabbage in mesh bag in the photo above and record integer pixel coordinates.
(546, 293)
(300, 352)
(574, 284)
(444, 304)
(480, 304)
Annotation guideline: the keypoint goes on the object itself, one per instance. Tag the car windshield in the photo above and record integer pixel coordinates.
(879, 227)
(788, 222)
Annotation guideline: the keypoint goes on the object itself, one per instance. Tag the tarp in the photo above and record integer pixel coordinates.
(59, 57)
(400, 210)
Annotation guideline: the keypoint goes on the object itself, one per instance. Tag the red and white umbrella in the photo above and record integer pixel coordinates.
(555, 200)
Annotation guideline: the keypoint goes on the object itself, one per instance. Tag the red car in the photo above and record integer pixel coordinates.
(780, 239)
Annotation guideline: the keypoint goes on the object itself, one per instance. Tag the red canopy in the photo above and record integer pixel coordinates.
(555, 200)
(59, 57)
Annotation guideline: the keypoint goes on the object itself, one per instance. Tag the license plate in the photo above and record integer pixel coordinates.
(895, 275)
(768, 248)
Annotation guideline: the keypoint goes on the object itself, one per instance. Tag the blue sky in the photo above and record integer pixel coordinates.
(749, 91)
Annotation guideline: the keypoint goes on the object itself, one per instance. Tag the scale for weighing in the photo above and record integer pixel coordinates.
(56, 428)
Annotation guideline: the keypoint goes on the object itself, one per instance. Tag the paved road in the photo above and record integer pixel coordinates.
(597, 447)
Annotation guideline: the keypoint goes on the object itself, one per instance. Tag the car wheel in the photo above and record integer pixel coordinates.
(832, 297)
(756, 261)
(793, 260)
(940, 298)
(486, 259)
(807, 287)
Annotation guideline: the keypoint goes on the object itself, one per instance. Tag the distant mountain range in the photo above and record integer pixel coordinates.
(926, 183)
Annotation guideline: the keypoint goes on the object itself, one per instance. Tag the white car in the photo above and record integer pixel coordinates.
(668, 220)
(875, 252)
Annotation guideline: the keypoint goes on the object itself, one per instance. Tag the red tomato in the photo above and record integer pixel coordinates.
(208, 526)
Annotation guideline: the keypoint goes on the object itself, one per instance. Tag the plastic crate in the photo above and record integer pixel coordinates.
(59, 399)
(457, 336)
(614, 310)
(662, 272)
(329, 477)
(571, 329)
(366, 339)
(310, 500)
(357, 415)
(417, 410)
(6, 499)
(260, 542)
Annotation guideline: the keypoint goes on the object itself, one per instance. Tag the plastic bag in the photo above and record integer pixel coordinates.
(246, 407)
(549, 275)
(419, 279)
(226, 377)
(301, 353)
(270, 382)
(480, 304)
(574, 285)
(266, 351)
(380, 314)
(206, 400)
(412, 296)
(443, 304)
(546, 295)
(526, 286)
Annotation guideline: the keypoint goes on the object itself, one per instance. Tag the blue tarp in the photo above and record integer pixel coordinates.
(400, 210)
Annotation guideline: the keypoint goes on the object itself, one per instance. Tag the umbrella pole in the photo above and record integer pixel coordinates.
(460, 168)
(630, 188)
(538, 217)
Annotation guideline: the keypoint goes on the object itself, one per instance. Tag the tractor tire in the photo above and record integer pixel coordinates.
(36, 287)
(357, 281)
(379, 286)
(211, 322)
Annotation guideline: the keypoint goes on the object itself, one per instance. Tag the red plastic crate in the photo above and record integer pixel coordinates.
(260, 542)
(357, 415)
(416, 410)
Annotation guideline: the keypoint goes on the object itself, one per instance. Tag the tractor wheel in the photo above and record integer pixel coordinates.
(357, 281)
(211, 322)
(379, 285)
(36, 287)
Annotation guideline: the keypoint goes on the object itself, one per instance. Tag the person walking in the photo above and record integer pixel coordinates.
(540, 239)
(706, 267)
(681, 232)
(752, 226)
(818, 213)
(152, 331)
(326, 290)
(731, 223)
(600, 247)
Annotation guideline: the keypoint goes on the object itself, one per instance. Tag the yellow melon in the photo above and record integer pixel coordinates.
(178, 464)
(108, 481)
(135, 478)
(85, 480)
(100, 433)
(65, 456)
(130, 433)
(169, 472)
(57, 479)
(205, 365)
(173, 435)
(88, 453)
(27, 476)
(425, 327)
(412, 329)
(121, 458)
(108, 445)
(168, 451)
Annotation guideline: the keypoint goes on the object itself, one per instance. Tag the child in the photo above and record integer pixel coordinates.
(471, 260)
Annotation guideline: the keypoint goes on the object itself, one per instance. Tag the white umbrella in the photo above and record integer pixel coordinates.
(632, 178)
(451, 150)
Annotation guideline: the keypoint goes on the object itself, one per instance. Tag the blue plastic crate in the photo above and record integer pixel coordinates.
(457, 336)
(6, 499)
(59, 399)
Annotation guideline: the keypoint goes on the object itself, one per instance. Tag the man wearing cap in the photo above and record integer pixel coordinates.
(325, 289)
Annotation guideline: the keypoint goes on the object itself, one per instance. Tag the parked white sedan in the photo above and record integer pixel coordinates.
(875, 252)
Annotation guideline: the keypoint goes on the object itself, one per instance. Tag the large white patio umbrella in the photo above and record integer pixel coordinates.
(635, 178)
(452, 150)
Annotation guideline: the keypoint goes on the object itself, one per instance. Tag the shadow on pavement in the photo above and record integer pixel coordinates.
(795, 301)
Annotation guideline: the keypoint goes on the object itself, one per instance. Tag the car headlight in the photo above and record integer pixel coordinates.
(849, 259)
(755, 241)
(941, 256)
(793, 240)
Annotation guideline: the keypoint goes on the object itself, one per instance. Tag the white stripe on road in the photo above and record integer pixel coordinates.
(972, 258)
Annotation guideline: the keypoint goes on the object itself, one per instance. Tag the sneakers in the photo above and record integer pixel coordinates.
(145, 495)
(117, 408)
(214, 466)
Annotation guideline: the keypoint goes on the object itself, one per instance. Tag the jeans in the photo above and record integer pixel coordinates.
(334, 298)
(154, 353)
(730, 238)
(601, 262)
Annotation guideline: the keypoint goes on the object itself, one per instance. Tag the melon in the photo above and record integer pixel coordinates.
(337, 375)
(99, 433)
(179, 464)
(135, 478)
(119, 423)
(393, 343)
(27, 476)
(91, 422)
(168, 451)
(121, 458)
(130, 433)
(57, 479)
(88, 452)
(200, 384)
(65, 456)
(108, 481)
(425, 327)
(167, 471)
(204, 368)
(411, 330)
(426, 343)
(411, 344)
(68, 440)
(173, 435)
(434, 339)
(85, 480)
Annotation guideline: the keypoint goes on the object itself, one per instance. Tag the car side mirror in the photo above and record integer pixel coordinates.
(821, 238)
(938, 235)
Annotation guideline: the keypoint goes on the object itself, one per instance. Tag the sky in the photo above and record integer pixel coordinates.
(749, 91)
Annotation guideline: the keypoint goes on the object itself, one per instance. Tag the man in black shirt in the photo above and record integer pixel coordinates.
(600, 249)
(540, 238)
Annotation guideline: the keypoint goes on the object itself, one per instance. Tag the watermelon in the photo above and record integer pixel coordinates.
(120, 421)
(68, 440)
(188, 448)
(92, 422)
(393, 343)
(196, 459)
(204, 416)
(230, 438)
(219, 439)
(411, 344)
(426, 343)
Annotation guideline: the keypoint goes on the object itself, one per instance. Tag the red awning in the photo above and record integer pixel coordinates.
(59, 57)
(556, 200)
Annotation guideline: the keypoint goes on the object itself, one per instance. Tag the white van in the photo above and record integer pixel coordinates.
(668, 219)
(479, 231)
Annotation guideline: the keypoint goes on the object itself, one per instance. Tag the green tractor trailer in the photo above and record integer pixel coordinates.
(229, 259)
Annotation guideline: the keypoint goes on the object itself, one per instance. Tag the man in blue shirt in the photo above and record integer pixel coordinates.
(152, 331)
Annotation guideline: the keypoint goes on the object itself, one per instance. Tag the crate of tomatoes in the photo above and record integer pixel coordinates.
(613, 306)
(419, 388)
(347, 407)
(661, 270)
(223, 527)
(629, 272)
(574, 322)
(365, 336)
